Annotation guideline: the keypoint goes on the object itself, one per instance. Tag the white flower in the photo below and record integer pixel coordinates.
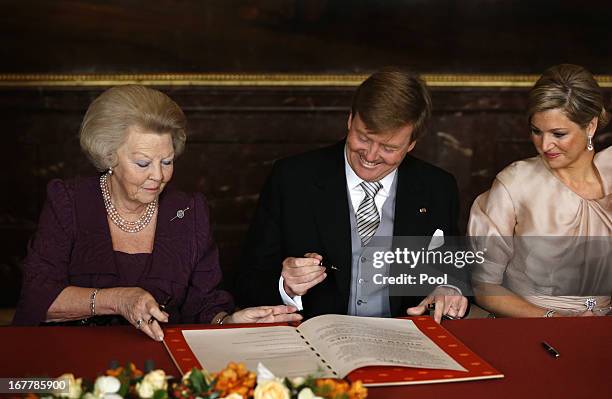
(112, 396)
(233, 396)
(106, 384)
(298, 381)
(186, 376)
(153, 381)
(271, 390)
(264, 374)
(145, 389)
(157, 379)
(307, 393)
(74, 387)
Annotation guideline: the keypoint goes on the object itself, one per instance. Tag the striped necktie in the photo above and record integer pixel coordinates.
(368, 218)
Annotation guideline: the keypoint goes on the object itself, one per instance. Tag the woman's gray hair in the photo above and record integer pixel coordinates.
(113, 112)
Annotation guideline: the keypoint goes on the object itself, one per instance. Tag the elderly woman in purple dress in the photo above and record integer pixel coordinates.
(123, 246)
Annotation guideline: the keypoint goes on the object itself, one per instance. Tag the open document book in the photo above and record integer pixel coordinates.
(402, 351)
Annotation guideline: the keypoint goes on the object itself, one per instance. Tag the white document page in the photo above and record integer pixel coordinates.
(279, 348)
(350, 342)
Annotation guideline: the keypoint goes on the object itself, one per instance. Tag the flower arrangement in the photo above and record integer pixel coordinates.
(233, 382)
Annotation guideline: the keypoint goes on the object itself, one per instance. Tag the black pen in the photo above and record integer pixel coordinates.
(329, 267)
(166, 302)
(551, 351)
(162, 307)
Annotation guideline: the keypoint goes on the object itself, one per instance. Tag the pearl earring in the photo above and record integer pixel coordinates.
(590, 143)
(110, 170)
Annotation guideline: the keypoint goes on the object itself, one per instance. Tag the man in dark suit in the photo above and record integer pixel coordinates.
(318, 211)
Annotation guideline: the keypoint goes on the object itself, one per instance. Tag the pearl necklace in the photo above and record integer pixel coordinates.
(118, 220)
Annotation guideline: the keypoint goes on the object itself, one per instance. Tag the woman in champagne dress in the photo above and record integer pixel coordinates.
(546, 222)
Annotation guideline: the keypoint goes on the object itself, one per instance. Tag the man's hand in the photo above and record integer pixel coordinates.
(448, 301)
(301, 274)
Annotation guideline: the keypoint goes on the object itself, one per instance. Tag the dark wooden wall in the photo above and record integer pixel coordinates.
(442, 36)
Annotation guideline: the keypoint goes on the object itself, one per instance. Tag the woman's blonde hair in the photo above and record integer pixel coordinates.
(572, 89)
(113, 112)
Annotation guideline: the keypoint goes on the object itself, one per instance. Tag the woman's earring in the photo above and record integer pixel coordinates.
(110, 170)
(590, 143)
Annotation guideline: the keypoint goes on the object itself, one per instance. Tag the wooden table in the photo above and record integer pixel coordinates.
(513, 346)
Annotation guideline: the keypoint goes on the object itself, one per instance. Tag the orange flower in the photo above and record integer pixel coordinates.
(235, 378)
(134, 372)
(332, 389)
(357, 391)
(114, 372)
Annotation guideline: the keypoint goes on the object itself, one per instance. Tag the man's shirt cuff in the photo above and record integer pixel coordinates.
(287, 300)
(443, 285)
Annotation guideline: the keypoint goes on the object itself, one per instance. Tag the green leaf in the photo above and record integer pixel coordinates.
(160, 394)
(124, 389)
(87, 386)
(127, 370)
(198, 382)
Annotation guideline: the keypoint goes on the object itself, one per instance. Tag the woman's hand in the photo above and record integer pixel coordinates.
(265, 314)
(140, 308)
(586, 313)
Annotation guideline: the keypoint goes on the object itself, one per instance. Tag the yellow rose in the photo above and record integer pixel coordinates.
(145, 389)
(74, 386)
(271, 390)
(157, 379)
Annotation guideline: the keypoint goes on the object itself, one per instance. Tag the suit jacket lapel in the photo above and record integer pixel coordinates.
(411, 217)
(332, 216)
(411, 201)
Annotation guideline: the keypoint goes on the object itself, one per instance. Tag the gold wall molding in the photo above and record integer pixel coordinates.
(262, 80)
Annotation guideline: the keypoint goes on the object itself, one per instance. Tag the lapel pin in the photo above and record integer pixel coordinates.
(180, 213)
(423, 210)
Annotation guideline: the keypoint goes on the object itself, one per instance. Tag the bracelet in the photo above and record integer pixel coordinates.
(223, 318)
(92, 301)
(219, 318)
(549, 313)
